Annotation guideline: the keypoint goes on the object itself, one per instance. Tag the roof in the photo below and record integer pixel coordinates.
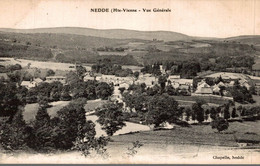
(174, 77)
(25, 83)
(221, 84)
(203, 85)
(38, 80)
(29, 84)
(182, 81)
(56, 77)
(216, 89)
(232, 83)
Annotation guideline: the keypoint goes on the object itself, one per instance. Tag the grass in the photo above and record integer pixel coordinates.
(208, 99)
(196, 135)
(30, 110)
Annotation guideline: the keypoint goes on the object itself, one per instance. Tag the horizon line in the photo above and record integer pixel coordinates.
(241, 35)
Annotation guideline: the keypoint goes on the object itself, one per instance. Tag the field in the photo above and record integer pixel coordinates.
(197, 144)
(30, 110)
(208, 99)
(191, 143)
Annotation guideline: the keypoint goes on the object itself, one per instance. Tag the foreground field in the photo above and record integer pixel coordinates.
(197, 144)
(197, 135)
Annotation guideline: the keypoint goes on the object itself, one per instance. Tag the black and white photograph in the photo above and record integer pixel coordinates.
(129, 82)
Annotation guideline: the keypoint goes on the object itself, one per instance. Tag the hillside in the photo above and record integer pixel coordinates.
(109, 33)
(125, 47)
(246, 39)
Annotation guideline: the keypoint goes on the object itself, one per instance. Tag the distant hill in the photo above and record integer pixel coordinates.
(249, 39)
(139, 47)
(110, 33)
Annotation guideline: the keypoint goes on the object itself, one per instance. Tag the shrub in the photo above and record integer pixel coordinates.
(220, 124)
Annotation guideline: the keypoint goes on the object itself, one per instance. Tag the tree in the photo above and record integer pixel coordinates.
(190, 69)
(15, 135)
(15, 76)
(103, 90)
(136, 74)
(162, 80)
(42, 131)
(213, 113)
(70, 125)
(162, 108)
(188, 113)
(65, 96)
(226, 112)
(50, 73)
(43, 101)
(56, 90)
(170, 90)
(234, 113)
(241, 94)
(199, 111)
(207, 114)
(110, 117)
(15, 67)
(29, 65)
(220, 124)
(9, 101)
(80, 71)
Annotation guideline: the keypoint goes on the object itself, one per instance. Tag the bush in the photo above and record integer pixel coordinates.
(220, 124)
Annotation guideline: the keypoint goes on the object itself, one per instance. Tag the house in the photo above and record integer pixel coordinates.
(115, 80)
(28, 84)
(175, 85)
(148, 79)
(124, 85)
(173, 77)
(38, 81)
(232, 83)
(221, 84)
(88, 77)
(56, 78)
(203, 88)
(32, 83)
(245, 84)
(216, 90)
(180, 83)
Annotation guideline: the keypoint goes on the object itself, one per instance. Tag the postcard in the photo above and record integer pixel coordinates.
(129, 82)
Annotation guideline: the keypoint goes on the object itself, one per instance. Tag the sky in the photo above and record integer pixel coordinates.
(205, 18)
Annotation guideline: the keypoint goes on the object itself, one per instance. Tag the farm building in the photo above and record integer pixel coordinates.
(32, 83)
(203, 88)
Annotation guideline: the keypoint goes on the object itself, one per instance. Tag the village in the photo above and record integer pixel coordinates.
(182, 85)
(214, 88)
